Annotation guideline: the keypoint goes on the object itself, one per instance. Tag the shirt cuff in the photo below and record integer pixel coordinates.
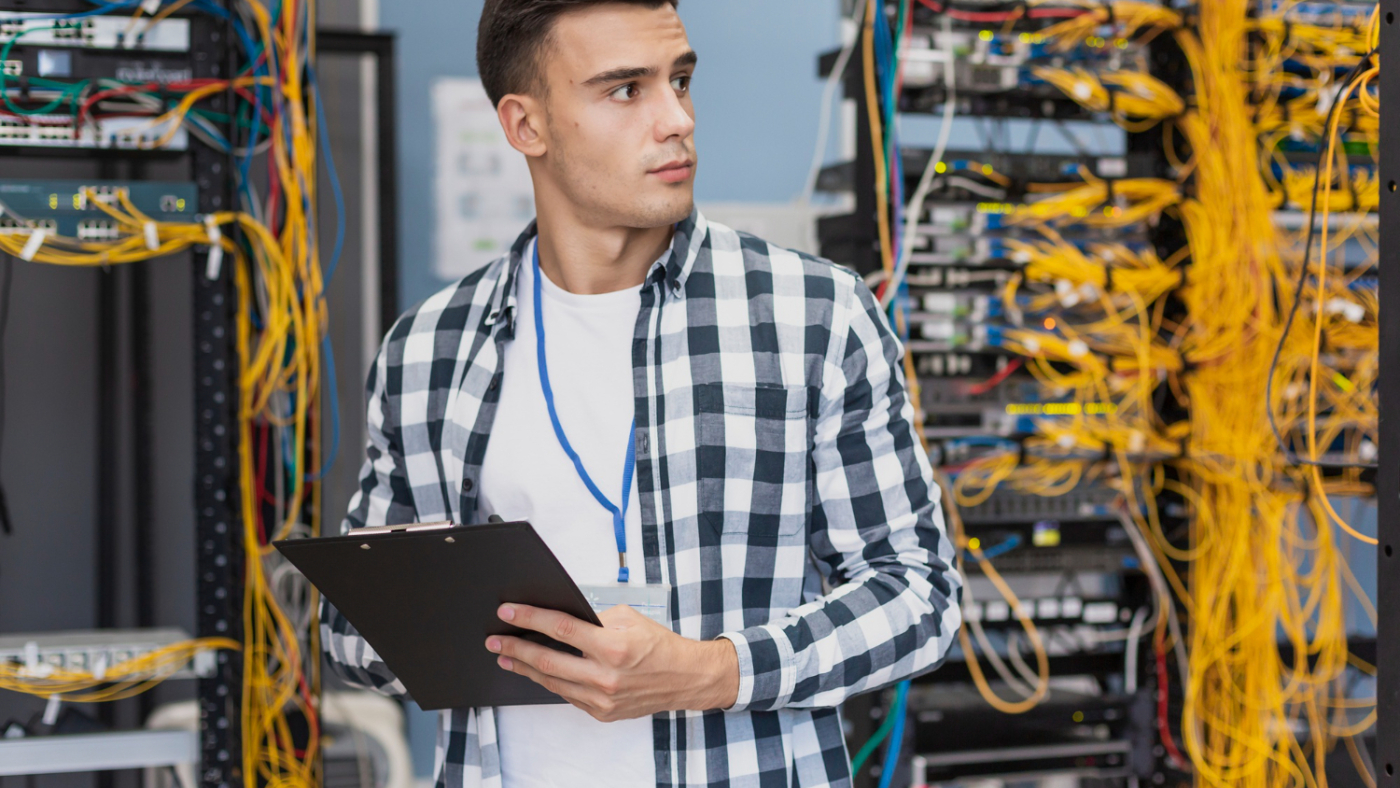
(767, 668)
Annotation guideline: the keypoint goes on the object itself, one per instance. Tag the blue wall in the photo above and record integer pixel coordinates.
(757, 98)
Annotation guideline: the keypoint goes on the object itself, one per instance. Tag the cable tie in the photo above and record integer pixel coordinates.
(1287, 31)
(1107, 278)
(215, 263)
(1020, 453)
(152, 235)
(1109, 18)
(1107, 455)
(1111, 198)
(31, 247)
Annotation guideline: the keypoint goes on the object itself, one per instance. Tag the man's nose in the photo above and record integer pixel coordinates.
(674, 119)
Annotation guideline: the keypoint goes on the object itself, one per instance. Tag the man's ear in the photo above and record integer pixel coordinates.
(522, 119)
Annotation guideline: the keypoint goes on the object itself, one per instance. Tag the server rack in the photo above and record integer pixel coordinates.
(1388, 477)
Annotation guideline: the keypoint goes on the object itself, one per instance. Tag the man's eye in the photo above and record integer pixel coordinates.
(681, 84)
(626, 92)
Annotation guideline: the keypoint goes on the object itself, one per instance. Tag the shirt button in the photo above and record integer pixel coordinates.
(495, 384)
(467, 485)
(642, 442)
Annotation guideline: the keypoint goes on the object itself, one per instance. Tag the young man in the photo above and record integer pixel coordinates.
(745, 400)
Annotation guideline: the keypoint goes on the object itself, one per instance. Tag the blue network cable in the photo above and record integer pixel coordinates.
(336, 251)
(901, 700)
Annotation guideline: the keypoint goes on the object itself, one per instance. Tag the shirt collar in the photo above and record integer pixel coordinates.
(674, 267)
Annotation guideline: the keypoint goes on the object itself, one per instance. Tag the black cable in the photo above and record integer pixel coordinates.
(1292, 458)
(7, 282)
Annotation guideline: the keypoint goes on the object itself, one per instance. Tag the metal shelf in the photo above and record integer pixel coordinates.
(97, 752)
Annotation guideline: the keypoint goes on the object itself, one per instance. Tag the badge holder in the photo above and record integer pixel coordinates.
(652, 601)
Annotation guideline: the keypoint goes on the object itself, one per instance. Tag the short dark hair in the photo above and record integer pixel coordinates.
(513, 34)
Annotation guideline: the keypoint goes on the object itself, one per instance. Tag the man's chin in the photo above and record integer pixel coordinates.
(666, 210)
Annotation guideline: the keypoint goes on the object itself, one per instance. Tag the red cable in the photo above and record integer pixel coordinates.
(1163, 723)
(261, 494)
(274, 196)
(997, 379)
(1004, 16)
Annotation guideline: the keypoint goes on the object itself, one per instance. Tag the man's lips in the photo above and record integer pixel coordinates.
(674, 172)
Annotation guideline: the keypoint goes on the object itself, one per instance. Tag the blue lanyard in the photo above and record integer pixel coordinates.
(619, 514)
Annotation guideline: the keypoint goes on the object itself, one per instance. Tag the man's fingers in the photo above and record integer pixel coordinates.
(567, 690)
(560, 626)
(543, 659)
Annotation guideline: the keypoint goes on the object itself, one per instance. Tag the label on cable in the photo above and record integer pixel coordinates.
(152, 236)
(150, 6)
(31, 247)
(216, 250)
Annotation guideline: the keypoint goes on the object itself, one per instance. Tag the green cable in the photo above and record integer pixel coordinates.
(67, 95)
(873, 744)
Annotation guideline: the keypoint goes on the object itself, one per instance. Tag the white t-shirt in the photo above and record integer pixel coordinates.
(526, 476)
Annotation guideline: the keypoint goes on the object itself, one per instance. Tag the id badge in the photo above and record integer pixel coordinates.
(652, 601)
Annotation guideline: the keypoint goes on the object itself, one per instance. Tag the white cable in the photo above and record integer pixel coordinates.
(1013, 652)
(1159, 582)
(990, 192)
(916, 205)
(1130, 658)
(828, 98)
(974, 623)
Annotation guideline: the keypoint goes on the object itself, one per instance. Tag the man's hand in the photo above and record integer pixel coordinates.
(631, 666)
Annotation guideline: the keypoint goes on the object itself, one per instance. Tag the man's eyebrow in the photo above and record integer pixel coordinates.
(620, 75)
(638, 72)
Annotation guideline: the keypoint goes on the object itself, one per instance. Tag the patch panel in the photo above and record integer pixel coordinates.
(9, 224)
(33, 29)
(95, 651)
(1019, 170)
(994, 61)
(1323, 14)
(57, 131)
(1087, 502)
(64, 206)
(1051, 611)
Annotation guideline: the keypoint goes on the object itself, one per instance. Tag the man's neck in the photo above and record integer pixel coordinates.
(589, 260)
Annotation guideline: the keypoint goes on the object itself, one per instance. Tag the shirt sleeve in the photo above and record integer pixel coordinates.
(894, 611)
(384, 498)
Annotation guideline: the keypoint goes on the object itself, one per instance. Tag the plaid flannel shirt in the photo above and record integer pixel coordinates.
(783, 494)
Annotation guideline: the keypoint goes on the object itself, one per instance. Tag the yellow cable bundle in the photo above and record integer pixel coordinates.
(117, 682)
(1261, 557)
(1054, 261)
(1130, 17)
(1356, 191)
(1097, 203)
(1136, 101)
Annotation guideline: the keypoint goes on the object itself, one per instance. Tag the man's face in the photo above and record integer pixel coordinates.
(621, 126)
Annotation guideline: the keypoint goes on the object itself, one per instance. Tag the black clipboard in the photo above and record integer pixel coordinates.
(425, 597)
